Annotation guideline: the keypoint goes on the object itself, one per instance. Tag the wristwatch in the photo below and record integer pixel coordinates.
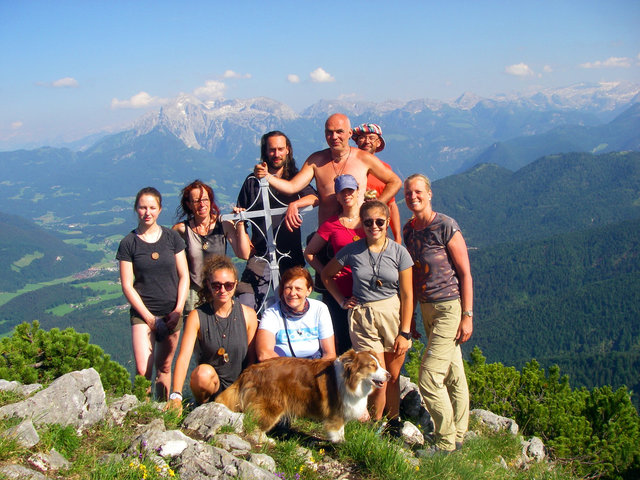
(467, 313)
(406, 335)
(175, 396)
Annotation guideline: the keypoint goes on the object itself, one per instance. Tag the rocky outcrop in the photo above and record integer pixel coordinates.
(199, 450)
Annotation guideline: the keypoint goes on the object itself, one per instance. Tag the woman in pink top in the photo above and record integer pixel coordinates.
(338, 231)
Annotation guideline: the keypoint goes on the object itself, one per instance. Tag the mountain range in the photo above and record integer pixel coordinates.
(219, 142)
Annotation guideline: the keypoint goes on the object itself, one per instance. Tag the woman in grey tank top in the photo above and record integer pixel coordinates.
(204, 234)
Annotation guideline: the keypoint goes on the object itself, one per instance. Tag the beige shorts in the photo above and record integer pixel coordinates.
(375, 325)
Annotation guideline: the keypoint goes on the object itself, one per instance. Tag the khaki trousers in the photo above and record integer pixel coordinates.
(442, 382)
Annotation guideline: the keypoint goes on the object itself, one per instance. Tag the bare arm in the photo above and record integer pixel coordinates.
(292, 218)
(384, 174)
(328, 347)
(297, 183)
(189, 336)
(401, 344)
(183, 289)
(238, 238)
(457, 248)
(328, 272)
(315, 245)
(265, 345)
(251, 320)
(179, 227)
(396, 228)
(132, 296)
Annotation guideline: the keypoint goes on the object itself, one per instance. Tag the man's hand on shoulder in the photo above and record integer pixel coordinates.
(260, 170)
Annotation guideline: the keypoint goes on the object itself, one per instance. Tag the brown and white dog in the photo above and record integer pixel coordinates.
(333, 391)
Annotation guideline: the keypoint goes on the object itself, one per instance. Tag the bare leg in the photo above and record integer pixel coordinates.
(165, 351)
(394, 365)
(143, 342)
(377, 398)
(204, 382)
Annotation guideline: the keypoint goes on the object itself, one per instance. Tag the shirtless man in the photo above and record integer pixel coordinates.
(340, 158)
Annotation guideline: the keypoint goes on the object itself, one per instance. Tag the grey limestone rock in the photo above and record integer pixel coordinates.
(21, 473)
(207, 419)
(119, 408)
(496, 422)
(76, 399)
(49, 462)
(24, 433)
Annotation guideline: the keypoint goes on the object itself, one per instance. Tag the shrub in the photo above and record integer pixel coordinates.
(33, 355)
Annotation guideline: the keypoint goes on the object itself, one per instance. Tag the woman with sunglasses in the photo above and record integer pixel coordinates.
(223, 330)
(155, 279)
(444, 288)
(380, 309)
(295, 326)
(205, 235)
(338, 231)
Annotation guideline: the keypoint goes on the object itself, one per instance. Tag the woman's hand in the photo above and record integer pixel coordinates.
(465, 329)
(348, 303)
(401, 345)
(174, 405)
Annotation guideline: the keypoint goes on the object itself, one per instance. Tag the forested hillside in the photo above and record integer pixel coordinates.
(572, 299)
(555, 194)
(30, 254)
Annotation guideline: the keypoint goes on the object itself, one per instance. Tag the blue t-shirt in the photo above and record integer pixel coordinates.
(305, 333)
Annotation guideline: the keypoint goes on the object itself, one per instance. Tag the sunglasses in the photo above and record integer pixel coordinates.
(380, 222)
(217, 286)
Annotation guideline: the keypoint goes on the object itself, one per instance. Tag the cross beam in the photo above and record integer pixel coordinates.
(268, 212)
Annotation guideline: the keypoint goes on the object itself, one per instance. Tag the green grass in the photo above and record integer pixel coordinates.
(26, 260)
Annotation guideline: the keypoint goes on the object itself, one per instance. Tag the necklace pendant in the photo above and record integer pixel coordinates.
(155, 255)
(379, 282)
(225, 358)
(356, 238)
(205, 246)
(224, 335)
(221, 351)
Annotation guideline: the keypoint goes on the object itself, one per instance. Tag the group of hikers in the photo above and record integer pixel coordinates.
(370, 283)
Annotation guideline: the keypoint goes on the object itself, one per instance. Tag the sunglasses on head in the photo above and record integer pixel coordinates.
(379, 222)
(217, 286)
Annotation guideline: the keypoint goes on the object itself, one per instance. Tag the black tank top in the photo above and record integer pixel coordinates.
(229, 333)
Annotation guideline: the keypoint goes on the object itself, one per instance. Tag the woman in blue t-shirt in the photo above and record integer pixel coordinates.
(380, 309)
(296, 326)
(155, 280)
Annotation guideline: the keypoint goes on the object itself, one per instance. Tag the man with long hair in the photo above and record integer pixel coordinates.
(276, 155)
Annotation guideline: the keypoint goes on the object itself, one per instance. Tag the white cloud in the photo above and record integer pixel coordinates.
(16, 125)
(139, 100)
(232, 74)
(212, 90)
(611, 62)
(293, 78)
(519, 70)
(547, 69)
(66, 82)
(319, 75)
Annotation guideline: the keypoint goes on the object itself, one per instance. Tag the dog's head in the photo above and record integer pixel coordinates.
(362, 367)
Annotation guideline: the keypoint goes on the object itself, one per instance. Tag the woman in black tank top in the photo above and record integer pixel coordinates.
(223, 331)
(205, 234)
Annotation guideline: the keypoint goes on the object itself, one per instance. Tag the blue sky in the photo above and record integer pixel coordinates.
(72, 68)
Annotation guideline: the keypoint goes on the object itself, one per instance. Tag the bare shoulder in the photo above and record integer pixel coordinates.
(249, 314)
(179, 227)
(319, 158)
